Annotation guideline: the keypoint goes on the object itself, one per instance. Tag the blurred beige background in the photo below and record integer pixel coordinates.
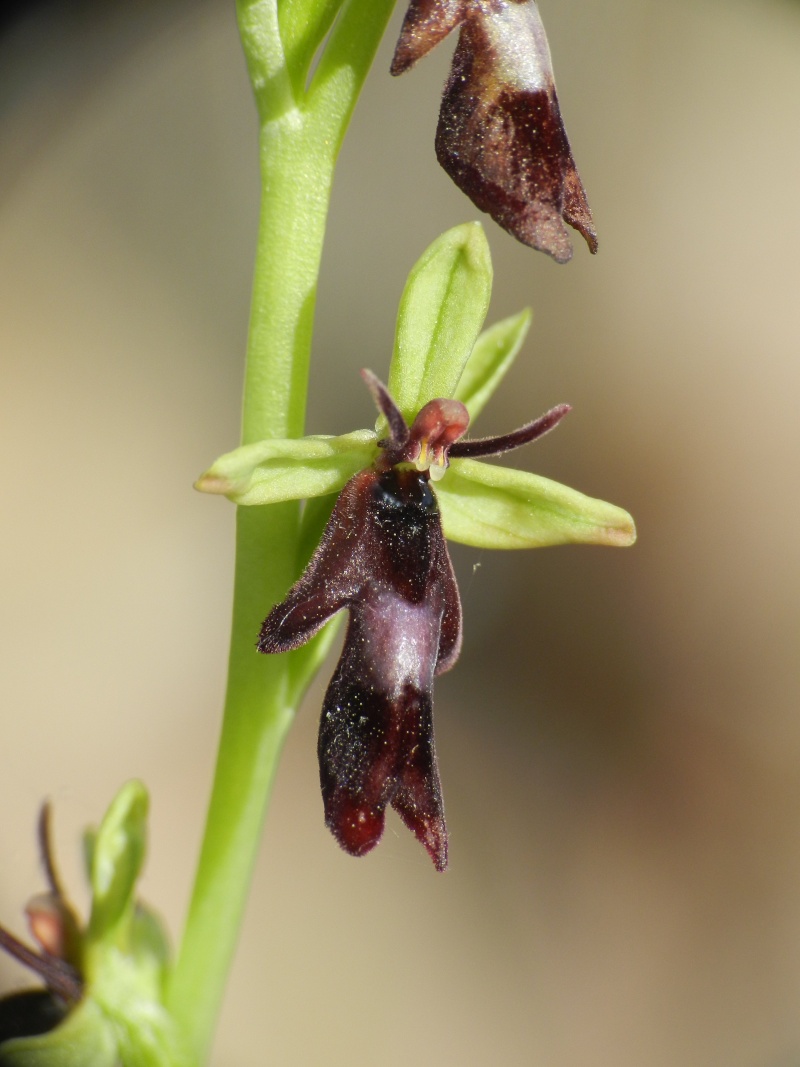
(620, 743)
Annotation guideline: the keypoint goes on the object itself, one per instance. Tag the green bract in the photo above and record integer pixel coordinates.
(439, 352)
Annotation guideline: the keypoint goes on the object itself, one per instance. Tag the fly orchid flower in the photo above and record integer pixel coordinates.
(500, 135)
(382, 555)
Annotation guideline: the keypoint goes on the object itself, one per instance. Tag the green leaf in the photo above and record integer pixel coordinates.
(148, 1037)
(128, 986)
(267, 472)
(117, 858)
(85, 1038)
(497, 507)
(494, 352)
(441, 314)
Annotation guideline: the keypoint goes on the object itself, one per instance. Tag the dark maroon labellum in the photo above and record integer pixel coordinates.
(383, 556)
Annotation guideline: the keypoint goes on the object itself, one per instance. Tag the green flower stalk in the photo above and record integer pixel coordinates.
(303, 117)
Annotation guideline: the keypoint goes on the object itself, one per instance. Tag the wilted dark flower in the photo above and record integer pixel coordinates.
(500, 135)
(383, 556)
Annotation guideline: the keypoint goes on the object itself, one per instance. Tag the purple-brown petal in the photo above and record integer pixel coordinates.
(333, 577)
(377, 750)
(418, 800)
(398, 429)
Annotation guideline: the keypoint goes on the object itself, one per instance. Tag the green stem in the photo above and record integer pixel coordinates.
(299, 144)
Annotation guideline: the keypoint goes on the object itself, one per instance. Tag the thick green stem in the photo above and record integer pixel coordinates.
(299, 143)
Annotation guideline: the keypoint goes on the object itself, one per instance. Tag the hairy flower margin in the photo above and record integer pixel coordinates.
(383, 554)
(500, 135)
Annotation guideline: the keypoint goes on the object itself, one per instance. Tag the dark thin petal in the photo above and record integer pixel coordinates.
(495, 446)
(59, 977)
(51, 918)
(46, 851)
(397, 424)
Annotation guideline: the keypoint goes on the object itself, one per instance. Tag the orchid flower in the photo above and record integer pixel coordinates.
(500, 135)
(402, 489)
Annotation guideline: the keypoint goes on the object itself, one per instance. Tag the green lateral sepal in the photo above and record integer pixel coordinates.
(271, 471)
(489, 506)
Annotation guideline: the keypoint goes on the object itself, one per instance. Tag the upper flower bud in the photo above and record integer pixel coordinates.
(500, 135)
